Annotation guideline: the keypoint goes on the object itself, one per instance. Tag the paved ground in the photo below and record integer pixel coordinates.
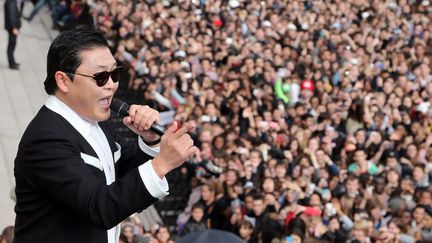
(21, 95)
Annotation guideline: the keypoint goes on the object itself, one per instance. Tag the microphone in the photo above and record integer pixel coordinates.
(121, 108)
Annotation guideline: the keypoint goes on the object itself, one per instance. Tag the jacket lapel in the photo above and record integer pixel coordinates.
(93, 161)
(114, 146)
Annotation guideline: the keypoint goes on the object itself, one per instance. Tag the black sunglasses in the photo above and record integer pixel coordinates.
(101, 78)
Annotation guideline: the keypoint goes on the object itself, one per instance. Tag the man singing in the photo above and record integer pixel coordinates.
(76, 180)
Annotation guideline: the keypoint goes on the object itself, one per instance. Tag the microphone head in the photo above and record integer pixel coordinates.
(119, 107)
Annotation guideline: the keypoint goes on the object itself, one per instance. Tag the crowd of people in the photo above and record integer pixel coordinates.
(313, 118)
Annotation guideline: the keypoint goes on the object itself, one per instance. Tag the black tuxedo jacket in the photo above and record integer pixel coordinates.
(61, 193)
(12, 16)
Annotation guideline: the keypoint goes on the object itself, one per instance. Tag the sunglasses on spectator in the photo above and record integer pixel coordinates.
(101, 78)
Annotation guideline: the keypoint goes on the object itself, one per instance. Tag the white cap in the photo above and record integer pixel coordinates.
(267, 23)
(393, 5)
(234, 4)
(184, 64)
(292, 26)
(248, 185)
(229, 41)
(180, 53)
(423, 107)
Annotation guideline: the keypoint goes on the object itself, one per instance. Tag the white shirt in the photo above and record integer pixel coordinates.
(94, 135)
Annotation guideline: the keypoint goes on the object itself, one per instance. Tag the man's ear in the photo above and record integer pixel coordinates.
(63, 81)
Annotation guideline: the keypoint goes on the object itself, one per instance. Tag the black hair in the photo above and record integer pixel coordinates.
(198, 205)
(64, 53)
(419, 206)
(297, 226)
(356, 110)
(360, 149)
(258, 197)
(421, 166)
(319, 196)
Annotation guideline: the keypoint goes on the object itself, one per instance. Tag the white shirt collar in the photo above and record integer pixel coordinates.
(81, 125)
